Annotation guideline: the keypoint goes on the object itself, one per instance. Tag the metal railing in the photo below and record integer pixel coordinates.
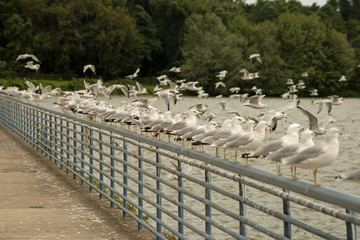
(217, 199)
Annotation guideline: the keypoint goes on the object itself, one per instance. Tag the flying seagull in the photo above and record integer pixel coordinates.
(318, 127)
(89, 66)
(256, 56)
(24, 56)
(134, 75)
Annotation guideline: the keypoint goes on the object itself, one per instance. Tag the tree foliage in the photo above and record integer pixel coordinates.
(202, 36)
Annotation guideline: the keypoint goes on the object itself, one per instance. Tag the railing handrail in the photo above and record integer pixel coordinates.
(328, 195)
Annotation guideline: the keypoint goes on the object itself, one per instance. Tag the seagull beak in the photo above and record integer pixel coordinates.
(340, 133)
(302, 129)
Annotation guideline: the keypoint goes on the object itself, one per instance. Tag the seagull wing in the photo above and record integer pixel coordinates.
(124, 89)
(327, 119)
(321, 105)
(313, 121)
(34, 57)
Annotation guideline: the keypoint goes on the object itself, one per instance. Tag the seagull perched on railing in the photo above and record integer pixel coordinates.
(317, 156)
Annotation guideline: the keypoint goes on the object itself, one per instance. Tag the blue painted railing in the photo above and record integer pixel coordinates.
(218, 199)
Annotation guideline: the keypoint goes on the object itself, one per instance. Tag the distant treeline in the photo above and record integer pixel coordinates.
(204, 37)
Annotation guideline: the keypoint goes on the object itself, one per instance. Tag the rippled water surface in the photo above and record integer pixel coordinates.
(347, 119)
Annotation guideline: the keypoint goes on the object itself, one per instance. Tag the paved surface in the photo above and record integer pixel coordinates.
(40, 201)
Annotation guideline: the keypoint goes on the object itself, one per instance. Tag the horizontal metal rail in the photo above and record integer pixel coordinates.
(218, 199)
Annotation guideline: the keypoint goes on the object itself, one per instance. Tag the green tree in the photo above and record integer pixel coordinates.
(208, 49)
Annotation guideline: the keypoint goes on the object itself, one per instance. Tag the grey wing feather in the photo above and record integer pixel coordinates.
(327, 119)
(313, 121)
(309, 153)
(268, 148)
(284, 152)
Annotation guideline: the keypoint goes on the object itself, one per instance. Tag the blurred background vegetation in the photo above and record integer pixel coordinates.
(202, 36)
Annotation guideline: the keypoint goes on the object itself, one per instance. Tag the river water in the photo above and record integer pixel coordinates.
(347, 119)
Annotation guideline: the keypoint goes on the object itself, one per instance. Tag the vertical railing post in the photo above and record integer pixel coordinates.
(180, 199)
(91, 161)
(207, 207)
(74, 150)
(67, 146)
(56, 139)
(46, 129)
(140, 188)
(158, 197)
(82, 155)
(37, 129)
(351, 232)
(287, 211)
(242, 207)
(42, 133)
(112, 172)
(50, 137)
(61, 143)
(101, 166)
(33, 128)
(125, 180)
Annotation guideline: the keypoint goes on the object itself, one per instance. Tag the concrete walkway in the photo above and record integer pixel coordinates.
(40, 201)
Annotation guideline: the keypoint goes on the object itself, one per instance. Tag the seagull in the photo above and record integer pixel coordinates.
(255, 102)
(290, 138)
(318, 127)
(274, 115)
(31, 87)
(167, 96)
(223, 105)
(327, 102)
(292, 88)
(202, 108)
(32, 66)
(350, 176)
(256, 56)
(89, 66)
(289, 81)
(247, 75)
(234, 89)
(291, 149)
(342, 79)
(304, 74)
(314, 92)
(301, 84)
(24, 56)
(175, 69)
(249, 141)
(134, 75)
(317, 156)
(218, 84)
(336, 100)
(222, 74)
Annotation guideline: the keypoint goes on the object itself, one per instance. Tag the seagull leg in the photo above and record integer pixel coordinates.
(236, 160)
(278, 168)
(225, 154)
(293, 173)
(216, 152)
(247, 160)
(315, 174)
